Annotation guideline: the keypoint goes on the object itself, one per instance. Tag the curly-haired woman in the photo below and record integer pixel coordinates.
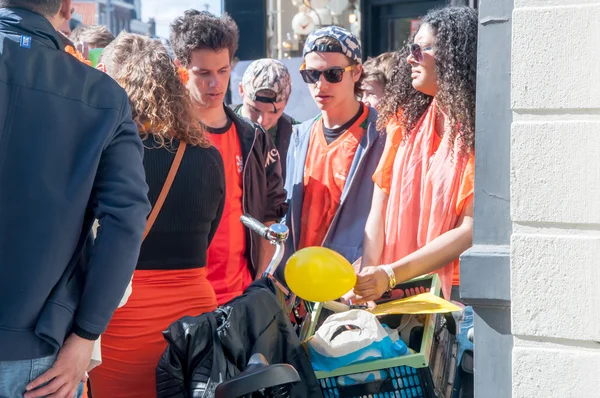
(421, 218)
(170, 278)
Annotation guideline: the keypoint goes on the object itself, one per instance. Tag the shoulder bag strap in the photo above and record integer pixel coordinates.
(165, 189)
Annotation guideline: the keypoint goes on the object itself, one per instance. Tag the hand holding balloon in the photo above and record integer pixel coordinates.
(372, 283)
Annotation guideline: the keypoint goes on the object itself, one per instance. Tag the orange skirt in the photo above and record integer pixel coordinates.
(133, 343)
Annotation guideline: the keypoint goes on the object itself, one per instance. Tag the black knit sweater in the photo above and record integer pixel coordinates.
(192, 210)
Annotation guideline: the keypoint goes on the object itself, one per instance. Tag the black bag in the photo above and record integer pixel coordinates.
(205, 350)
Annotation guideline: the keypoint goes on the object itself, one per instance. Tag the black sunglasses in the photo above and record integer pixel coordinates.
(332, 75)
(417, 51)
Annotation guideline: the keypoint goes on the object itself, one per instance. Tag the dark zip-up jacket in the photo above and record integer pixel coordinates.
(69, 154)
(263, 195)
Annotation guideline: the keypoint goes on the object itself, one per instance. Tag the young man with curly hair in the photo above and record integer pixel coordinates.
(205, 44)
(332, 157)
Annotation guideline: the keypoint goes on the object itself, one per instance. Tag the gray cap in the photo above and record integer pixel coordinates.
(267, 74)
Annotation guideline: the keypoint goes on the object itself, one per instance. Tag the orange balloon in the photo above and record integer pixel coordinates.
(319, 274)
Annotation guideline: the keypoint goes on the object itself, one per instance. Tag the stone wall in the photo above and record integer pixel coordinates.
(555, 198)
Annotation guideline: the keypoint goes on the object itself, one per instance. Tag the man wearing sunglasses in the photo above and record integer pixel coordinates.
(332, 157)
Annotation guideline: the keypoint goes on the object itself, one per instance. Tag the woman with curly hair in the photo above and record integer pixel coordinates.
(170, 278)
(421, 218)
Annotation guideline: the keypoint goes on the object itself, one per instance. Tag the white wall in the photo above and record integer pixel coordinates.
(555, 198)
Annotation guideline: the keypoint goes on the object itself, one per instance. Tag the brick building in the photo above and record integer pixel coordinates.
(117, 15)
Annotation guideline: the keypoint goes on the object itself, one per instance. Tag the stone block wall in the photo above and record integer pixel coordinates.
(555, 198)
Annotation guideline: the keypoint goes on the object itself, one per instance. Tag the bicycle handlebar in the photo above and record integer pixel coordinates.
(277, 234)
(255, 225)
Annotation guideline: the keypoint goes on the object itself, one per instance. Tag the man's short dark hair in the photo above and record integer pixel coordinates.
(97, 36)
(197, 30)
(47, 8)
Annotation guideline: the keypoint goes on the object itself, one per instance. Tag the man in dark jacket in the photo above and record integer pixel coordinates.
(265, 90)
(69, 154)
(205, 44)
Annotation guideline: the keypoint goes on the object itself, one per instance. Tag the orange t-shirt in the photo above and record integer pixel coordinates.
(383, 175)
(227, 264)
(325, 172)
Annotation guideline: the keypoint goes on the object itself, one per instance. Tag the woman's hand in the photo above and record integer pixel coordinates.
(371, 284)
(351, 298)
(357, 265)
(348, 298)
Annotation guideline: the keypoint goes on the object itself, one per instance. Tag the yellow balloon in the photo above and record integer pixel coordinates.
(319, 274)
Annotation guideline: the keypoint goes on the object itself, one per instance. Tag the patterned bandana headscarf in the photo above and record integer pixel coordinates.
(349, 45)
(267, 74)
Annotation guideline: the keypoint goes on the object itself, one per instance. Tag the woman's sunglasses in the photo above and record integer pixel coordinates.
(332, 75)
(417, 51)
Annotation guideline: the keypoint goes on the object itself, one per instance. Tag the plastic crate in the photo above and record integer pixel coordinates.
(409, 376)
(403, 382)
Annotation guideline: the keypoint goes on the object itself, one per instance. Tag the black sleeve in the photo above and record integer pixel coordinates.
(220, 173)
(276, 196)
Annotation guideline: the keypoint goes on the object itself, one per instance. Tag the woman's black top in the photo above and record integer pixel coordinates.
(192, 210)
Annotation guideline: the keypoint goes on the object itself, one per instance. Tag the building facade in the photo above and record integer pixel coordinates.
(117, 15)
(555, 198)
(381, 25)
(533, 272)
(386, 25)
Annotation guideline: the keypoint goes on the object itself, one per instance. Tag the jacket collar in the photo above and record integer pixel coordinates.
(246, 131)
(371, 134)
(22, 21)
(294, 180)
(284, 119)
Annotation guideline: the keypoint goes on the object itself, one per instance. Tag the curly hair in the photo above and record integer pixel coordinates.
(455, 31)
(160, 103)
(202, 30)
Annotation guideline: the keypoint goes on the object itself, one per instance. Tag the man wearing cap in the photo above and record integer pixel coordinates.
(332, 158)
(265, 90)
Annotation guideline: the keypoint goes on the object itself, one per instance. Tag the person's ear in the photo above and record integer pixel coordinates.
(241, 89)
(101, 67)
(66, 9)
(357, 72)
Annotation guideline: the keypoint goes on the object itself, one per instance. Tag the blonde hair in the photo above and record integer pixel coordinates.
(95, 35)
(160, 103)
(380, 68)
